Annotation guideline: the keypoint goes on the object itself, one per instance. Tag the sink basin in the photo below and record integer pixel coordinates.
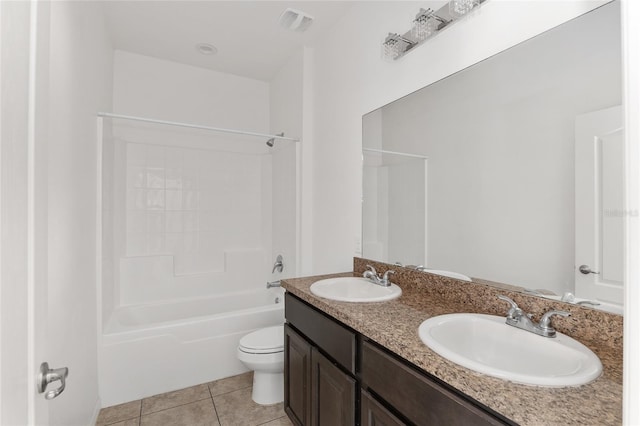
(352, 289)
(449, 274)
(484, 343)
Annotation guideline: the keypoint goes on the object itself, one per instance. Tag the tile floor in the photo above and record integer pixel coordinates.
(225, 402)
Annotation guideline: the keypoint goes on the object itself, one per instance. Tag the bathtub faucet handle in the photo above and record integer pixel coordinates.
(278, 265)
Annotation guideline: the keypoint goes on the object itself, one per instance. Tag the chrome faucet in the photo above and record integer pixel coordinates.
(516, 317)
(273, 284)
(373, 276)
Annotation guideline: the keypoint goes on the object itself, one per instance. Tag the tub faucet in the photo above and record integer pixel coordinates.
(373, 276)
(278, 265)
(516, 317)
(273, 284)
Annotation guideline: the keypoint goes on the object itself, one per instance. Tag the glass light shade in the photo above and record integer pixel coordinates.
(462, 7)
(423, 26)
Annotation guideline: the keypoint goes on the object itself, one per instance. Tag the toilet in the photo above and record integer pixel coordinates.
(263, 352)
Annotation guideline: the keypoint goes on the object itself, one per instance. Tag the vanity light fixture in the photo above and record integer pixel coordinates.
(462, 7)
(396, 45)
(426, 24)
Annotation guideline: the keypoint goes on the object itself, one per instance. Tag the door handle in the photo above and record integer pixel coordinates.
(48, 375)
(586, 270)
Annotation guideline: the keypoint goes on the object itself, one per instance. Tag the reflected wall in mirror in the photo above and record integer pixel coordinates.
(510, 170)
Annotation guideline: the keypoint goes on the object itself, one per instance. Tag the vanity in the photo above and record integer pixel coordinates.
(364, 363)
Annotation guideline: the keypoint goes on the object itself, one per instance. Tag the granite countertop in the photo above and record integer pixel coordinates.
(394, 325)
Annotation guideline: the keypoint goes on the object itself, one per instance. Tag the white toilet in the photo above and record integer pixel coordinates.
(263, 352)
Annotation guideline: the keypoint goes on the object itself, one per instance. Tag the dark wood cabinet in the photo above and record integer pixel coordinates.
(372, 413)
(334, 377)
(333, 393)
(418, 397)
(320, 385)
(297, 377)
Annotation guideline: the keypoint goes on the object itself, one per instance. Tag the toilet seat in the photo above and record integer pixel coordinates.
(264, 341)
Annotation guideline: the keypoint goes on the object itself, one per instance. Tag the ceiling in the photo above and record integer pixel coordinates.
(249, 40)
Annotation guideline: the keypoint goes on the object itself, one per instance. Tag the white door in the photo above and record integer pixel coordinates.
(23, 211)
(600, 207)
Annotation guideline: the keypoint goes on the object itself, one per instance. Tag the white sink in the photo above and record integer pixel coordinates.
(449, 274)
(352, 289)
(484, 343)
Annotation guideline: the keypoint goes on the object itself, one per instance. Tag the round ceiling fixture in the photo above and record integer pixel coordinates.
(206, 48)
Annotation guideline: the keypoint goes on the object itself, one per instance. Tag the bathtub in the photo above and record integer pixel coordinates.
(150, 349)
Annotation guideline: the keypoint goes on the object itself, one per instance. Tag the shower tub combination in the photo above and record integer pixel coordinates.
(155, 348)
(190, 223)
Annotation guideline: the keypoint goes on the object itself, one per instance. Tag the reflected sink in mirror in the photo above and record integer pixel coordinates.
(449, 274)
(352, 289)
(485, 344)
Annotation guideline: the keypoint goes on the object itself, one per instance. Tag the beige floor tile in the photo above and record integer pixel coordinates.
(174, 399)
(282, 421)
(118, 413)
(200, 413)
(238, 409)
(231, 384)
(130, 422)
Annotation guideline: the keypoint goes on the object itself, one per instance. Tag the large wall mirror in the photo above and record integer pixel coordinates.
(510, 171)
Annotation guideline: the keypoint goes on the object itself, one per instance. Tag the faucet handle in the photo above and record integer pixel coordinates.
(372, 269)
(514, 306)
(385, 277)
(545, 321)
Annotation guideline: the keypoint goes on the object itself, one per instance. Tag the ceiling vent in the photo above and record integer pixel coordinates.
(295, 20)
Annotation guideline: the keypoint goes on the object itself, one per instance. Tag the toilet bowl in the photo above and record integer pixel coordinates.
(263, 352)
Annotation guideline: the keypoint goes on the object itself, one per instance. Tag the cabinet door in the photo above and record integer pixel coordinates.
(372, 413)
(297, 377)
(333, 393)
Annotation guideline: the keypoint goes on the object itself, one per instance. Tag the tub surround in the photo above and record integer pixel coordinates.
(394, 325)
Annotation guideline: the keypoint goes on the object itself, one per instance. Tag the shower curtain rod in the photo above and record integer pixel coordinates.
(403, 154)
(194, 126)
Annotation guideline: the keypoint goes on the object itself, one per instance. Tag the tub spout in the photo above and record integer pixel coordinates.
(273, 284)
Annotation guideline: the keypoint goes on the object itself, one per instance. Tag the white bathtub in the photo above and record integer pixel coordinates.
(151, 349)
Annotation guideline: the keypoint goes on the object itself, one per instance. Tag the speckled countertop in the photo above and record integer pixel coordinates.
(394, 325)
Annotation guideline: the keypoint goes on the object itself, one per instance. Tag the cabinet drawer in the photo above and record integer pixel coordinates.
(335, 339)
(420, 399)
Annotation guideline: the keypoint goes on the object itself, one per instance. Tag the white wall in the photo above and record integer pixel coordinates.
(194, 205)
(80, 81)
(285, 109)
(350, 79)
(160, 89)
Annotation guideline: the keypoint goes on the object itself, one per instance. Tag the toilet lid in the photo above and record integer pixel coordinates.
(265, 340)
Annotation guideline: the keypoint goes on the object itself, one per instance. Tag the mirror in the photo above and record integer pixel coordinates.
(509, 171)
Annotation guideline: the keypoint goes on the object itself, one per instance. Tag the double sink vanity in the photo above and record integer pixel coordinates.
(430, 349)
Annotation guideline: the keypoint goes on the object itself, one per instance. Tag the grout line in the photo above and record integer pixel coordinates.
(277, 418)
(120, 421)
(215, 410)
(175, 406)
(225, 393)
